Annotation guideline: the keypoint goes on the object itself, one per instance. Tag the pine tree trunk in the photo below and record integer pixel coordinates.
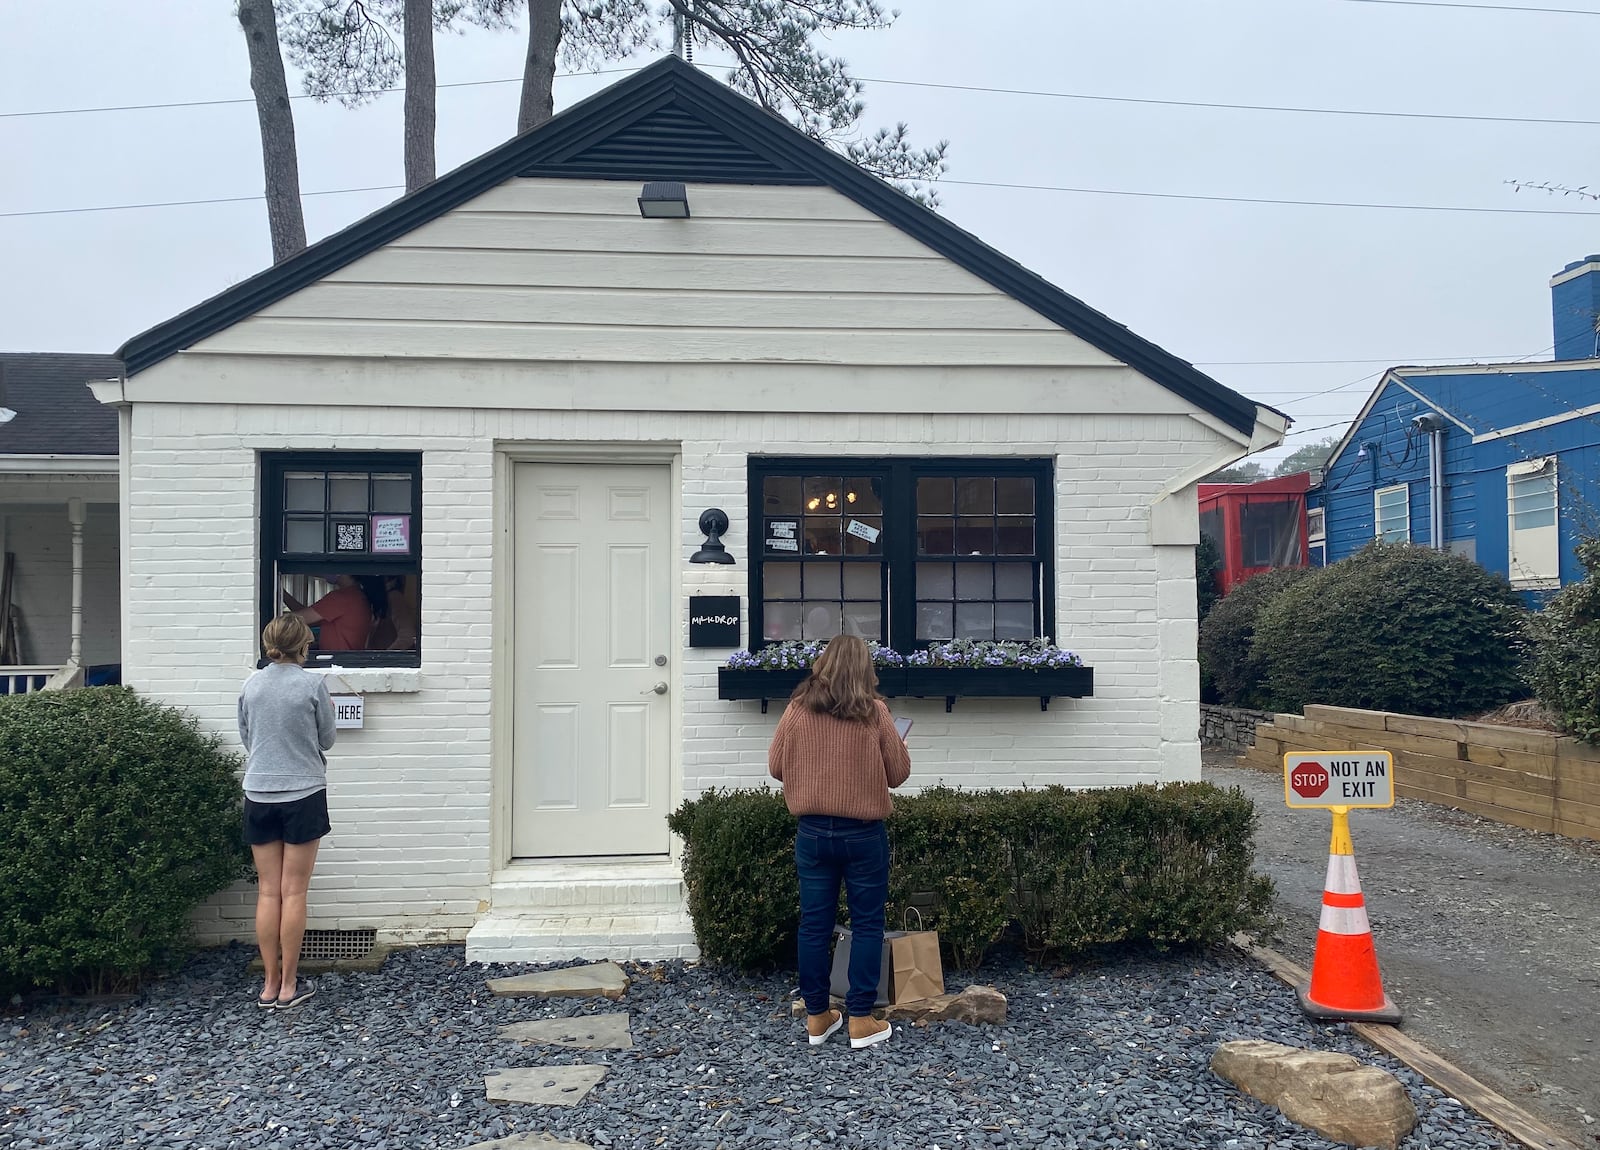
(278, 159)
(420, 94)
(539, 71)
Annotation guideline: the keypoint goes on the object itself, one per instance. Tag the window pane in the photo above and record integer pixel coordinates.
(856, 542)
(974, 581)
(864, 620)
(862, 496)
(822, 536)
(822, 580)
(936, 581)
(1013, 621)
(822, 494)
(974, 620)
(935, 536)
(975, 496)
(303, 491)
(935, 621)
(863, 581)
(1016, 536)
(820, 621)
(780, 580)
(348, 493)
(391, 493)
(1529, 520)
(780, 494)
(303, 536)
(1013, 580)
(780, 621)
(1014, 497)
(936, 497)
(975, 537)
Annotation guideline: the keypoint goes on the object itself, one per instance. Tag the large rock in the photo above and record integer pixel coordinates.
(976, 1005)
(595, 980)
(1334, 1094)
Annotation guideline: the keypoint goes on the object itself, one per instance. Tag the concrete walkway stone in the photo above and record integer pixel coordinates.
(596, 980)
(530, 1142)
(543, 1085)
(591, 1032)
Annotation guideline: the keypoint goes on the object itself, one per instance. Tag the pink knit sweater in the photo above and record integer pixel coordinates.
(832, 766)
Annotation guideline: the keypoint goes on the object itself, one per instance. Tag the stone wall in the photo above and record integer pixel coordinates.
(1230, 729)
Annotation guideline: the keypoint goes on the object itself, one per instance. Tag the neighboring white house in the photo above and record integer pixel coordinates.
(514, 392)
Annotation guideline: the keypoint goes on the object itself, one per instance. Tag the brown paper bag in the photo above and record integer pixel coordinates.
(918, 972)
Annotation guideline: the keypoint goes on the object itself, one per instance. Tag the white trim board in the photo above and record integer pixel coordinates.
(1537, 424)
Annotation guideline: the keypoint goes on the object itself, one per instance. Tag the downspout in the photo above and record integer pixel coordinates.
(1435, 428)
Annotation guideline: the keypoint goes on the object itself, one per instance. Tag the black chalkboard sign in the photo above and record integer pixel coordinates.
(713, 620)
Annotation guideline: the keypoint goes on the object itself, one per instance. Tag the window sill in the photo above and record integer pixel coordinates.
(951, 683)
(371, 680)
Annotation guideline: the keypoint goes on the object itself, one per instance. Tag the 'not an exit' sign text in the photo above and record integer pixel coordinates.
(1339, 779)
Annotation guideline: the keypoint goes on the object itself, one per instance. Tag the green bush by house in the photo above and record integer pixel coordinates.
(1229, 660)
(117, 817)
(1068, 869)
(1566, 665)
(1394, 628)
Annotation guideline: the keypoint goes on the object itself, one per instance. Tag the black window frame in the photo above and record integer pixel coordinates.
(273, 467)
(898, 476)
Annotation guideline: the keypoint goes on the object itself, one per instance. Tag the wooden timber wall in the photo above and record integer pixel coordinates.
(1527, 778)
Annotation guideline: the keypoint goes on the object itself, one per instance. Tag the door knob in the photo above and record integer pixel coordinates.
(658, 689)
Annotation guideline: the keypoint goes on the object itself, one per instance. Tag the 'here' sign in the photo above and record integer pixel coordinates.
(1339, 779)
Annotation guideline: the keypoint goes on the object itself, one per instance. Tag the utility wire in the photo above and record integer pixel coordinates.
(194, 203)
(1479, 7)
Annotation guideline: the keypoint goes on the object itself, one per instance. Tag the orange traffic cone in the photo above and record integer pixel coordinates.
(1345, 983)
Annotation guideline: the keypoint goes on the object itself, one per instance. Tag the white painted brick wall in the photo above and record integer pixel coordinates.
(410, 795)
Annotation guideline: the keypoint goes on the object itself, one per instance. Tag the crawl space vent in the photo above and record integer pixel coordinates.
(338, 945)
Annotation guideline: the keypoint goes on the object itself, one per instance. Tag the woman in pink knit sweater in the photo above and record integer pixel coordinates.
(837, 753)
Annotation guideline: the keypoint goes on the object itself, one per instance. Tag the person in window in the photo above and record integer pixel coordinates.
(396, 630)
(837, 754)
(286, 726)
(345, 616)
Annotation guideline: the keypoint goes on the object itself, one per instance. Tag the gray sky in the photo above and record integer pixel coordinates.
(1215, 283)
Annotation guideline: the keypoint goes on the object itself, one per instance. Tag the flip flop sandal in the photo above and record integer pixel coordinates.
(309, 989)
(267, 1003)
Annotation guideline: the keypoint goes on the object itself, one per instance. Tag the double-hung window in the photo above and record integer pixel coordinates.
(904, 552)
(1391, 513)
(342, 545)
(1533, 530)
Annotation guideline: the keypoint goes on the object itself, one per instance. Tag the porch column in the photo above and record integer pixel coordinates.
(75, 517)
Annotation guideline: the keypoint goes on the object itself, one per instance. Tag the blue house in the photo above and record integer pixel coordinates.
(1498, 462)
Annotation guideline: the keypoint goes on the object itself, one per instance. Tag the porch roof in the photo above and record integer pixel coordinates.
(56, 414)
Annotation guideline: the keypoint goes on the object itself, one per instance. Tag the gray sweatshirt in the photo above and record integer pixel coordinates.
(285, 724)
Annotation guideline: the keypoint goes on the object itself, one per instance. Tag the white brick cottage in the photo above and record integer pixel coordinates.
(512, 395)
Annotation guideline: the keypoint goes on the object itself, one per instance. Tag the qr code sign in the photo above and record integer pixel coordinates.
(350, 536)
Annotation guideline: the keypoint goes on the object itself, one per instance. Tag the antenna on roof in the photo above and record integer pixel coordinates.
(683, 33)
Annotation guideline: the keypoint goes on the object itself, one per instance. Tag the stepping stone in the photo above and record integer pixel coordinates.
(530, 1142)
(596, 980)
(595, 1032)
(543, 1085)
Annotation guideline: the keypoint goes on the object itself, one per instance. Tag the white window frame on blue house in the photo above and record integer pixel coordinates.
(1317, 536)
(1391, 517)
(1533, 531)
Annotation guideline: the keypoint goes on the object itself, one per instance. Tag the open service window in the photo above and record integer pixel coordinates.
(341, 540)
(905, 552)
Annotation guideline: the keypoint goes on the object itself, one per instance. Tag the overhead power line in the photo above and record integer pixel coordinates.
(1479, 7)
(194, 203)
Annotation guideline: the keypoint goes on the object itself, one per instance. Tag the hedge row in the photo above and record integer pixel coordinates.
(1066, 869)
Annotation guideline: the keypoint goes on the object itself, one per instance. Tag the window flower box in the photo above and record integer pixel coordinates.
(999, 683)
(774, 671)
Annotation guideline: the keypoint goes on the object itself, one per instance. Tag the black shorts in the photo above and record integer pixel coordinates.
(301, 821)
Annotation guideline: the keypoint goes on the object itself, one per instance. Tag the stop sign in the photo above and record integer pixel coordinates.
(1309, 780)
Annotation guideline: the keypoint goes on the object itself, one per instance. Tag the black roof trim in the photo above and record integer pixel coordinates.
(640, 128)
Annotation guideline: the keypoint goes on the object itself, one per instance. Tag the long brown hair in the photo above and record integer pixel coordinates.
(843, 682)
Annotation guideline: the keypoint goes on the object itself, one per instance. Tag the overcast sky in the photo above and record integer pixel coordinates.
(1224, 284)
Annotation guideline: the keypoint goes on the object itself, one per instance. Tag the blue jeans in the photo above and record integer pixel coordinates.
(828, 851)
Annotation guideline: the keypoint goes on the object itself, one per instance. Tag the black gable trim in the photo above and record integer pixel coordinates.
(669, 121)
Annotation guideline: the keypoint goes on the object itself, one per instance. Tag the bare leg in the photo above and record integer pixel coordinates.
(269, 912)
(298, 859)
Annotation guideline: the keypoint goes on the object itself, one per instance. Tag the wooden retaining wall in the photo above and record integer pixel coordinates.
(1527, 778)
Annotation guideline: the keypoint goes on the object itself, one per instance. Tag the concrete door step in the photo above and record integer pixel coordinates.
(503, 936)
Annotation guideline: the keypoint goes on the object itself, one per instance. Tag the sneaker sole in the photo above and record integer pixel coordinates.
(871, 1039)
(819, 1039)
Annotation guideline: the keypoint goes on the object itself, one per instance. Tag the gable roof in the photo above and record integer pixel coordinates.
(670, 122)
(57, 414)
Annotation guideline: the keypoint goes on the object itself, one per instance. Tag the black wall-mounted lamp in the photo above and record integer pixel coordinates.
(713, 522)
(664, 200)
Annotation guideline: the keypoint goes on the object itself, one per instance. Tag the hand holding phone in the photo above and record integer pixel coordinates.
(904, 727)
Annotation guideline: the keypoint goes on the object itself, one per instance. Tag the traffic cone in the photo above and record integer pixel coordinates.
(1345, 983)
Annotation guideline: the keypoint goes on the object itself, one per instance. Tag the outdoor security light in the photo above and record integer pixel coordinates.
(664, 200)
(713, 522)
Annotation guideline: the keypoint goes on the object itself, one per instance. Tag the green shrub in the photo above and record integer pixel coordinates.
(1394, 628)
(1227, 637)
(1566, 663)
(117, 817)
(1207, 562)
(1070, 869)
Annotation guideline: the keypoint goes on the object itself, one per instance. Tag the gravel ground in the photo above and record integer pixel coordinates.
(1486, 935)
(1111, 1053)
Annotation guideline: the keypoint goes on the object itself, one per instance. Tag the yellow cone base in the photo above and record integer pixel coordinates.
(1388, 1012)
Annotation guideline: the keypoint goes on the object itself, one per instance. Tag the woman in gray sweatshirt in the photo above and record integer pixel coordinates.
(286, 726)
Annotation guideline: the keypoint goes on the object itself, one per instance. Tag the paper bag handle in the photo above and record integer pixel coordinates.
(905, 919)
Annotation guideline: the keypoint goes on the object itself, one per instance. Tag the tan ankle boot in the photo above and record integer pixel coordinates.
(868, 1031)
(820, 1027)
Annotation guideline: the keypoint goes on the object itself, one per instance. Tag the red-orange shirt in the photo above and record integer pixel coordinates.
(346, 620)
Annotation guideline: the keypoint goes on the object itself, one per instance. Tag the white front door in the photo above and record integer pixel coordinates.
(590, 742)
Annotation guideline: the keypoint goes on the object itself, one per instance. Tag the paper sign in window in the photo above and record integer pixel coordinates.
(391, 534)
(861, 531)
(782, 535)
